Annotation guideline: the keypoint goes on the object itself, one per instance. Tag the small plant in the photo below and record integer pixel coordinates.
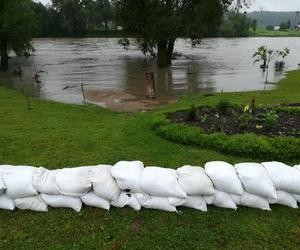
(192, 113)
(245, 120)
(223, 106)
(264, 56)
(203, 117)
(281, 54)
(269, 119)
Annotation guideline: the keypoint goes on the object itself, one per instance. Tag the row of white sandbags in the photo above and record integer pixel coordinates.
(130, 184)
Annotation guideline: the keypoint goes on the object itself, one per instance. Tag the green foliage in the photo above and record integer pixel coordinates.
(244, 120)
(16, 28)
(270, 27)
(72, 17)
(236, 25)
(285, 25)
(157, 24)
(224, 106)
(192, 113)
(269, 119)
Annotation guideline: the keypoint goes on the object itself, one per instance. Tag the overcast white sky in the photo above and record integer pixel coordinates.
(271, 5)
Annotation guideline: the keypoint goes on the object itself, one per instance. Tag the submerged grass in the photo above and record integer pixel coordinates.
(56, 135)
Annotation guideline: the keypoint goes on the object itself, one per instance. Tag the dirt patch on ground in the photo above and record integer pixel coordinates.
(126, 102)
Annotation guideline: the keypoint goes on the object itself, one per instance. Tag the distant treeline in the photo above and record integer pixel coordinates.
(74, 18)
(95, 18)
(269, 18)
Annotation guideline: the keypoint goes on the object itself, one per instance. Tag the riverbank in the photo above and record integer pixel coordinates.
(57, 135)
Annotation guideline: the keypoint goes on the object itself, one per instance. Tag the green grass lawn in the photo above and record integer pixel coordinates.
(56, 135)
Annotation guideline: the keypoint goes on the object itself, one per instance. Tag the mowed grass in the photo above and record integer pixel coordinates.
(56, 135)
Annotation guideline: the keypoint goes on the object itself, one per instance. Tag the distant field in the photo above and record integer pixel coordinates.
(270, 33)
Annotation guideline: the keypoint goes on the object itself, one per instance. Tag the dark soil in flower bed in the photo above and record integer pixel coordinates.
(235, 120)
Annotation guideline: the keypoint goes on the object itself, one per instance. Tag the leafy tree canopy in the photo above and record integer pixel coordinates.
(16, 28)
(158, 23)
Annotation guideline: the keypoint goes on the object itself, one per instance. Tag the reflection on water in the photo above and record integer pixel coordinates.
(102, 65)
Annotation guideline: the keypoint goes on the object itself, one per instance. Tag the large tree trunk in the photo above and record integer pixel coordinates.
(3, 53)
(165, 53)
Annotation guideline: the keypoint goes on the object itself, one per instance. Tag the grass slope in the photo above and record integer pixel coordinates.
(57, 135)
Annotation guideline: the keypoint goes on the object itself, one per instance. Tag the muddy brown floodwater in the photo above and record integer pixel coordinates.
(114, 77)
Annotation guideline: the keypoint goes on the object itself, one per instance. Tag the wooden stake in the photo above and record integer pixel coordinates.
(150, 85)
(83, 94)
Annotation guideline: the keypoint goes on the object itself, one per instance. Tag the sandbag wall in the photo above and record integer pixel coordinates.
(131, 184)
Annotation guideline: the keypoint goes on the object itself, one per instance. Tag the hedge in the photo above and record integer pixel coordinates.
(245, 145)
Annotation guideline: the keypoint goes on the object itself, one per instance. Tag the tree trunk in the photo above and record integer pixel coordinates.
(4, 53)
(165, 53)
(170, 50)
(162, 55)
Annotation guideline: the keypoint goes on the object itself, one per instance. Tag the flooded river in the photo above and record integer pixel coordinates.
(106, 69)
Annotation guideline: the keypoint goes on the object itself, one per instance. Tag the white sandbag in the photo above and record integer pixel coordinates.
(44, 181)
(256, 180)
(285, 199)
(104, 185)
(6, 203)
(224, 200)
(34, 203)
(92, 200)
(254, 201)
(297, 197)
(236, 198)
(61, 201)
(196, 202)
(127, 199)
(224, 177)
(2, 184)
(284, 177)
(74, 182)
(209, 199)
(161, 182)
(297, 167)
(128, 175)
(158, 203)
(18, 182)
(194, 181)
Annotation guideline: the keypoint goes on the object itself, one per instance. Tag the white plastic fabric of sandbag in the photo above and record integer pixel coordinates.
(297, 167)
(254, 201)
(284, 177)
(297, 197)
(104, 185)
(18, 181)
(194, 181)
(2, 184)
(158, 203)
(224, 177)
(128, 175)
(161, 182)
(221, 199)
(74, 182)
(61, 201)
(127, 199)
(34, 203)
(44, 181)
(6, 203)
(256, 180)
(285, 199)
(92, 200)
(195, 202)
